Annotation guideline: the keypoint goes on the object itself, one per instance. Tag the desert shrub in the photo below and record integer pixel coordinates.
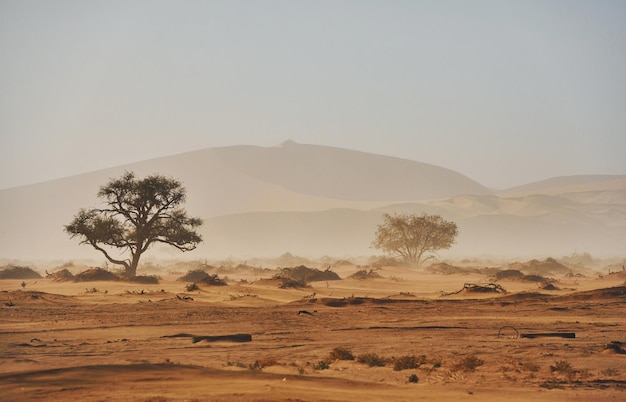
(213, 280)
(483, 288)
(194, 275)
(468, 363)
(287, 283)
(96, 274)
(146, 279)
(413, 378)
(535, 278)
(565, 368)
(15, 272)
(321, 365)
(61, 275)
(610, 372)
(408, 362)
(616, 346)
(529, 366)
(365, 274)
(371, 359)
(550, 286)
(509, 274)
(199, 276)
(191, 287)
(548, 267)
(262, 363)
(302, 275)
(448, 269)
(341, 354)
(562, 367)
(583, 374)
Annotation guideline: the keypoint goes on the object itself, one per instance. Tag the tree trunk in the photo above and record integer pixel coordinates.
(131, 271)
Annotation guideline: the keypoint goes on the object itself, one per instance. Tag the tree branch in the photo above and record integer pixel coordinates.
(108, 257)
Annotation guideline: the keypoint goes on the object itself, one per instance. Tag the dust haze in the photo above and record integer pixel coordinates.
(321, 201)
(285, 299)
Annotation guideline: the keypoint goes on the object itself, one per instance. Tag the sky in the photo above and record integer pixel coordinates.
(505, 92)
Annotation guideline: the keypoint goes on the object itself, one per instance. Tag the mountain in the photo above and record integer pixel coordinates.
(317, 200)
(347, 175)
(571, 184)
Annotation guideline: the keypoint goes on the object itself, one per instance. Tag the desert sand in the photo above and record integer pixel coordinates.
(129, 341)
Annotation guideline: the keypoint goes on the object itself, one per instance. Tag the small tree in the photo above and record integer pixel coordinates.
(414, 238)
(138, 214)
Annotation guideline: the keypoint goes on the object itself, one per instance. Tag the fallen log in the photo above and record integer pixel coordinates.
(181, 335)
(549, 334)
(217, 338)
(213, 338)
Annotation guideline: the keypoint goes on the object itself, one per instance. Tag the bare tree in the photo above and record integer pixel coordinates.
(138, 214)
(414, 238)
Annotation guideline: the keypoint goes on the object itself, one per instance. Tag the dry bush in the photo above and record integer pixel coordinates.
(529, 366)
(610, 372)
(61, 275)
(408, 362)
(549, 266)
(146, 279)
(562, 367)
(287, 283)
(262, 363)
(201, 276)
(616, 346)
(96, 274)
(15, 272)
(235, 364)
(509, 274)
(583, 374)
(301, 275)
(478, 288)
(321, 365)
(468, 363)
(365, 274)
(371, 359)
(341, 354)
(447, 269)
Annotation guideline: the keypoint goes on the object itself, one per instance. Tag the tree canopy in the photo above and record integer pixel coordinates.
(414, 238)
(137, 214)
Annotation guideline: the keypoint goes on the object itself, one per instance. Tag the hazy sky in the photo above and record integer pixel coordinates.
(506, 92)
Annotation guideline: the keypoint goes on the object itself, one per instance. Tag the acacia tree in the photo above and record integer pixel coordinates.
(414, 238)
(138, 214)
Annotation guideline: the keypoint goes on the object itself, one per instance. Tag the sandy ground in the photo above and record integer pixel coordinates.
(123, 341)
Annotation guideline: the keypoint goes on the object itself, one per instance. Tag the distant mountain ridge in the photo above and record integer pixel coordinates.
(320, 200)
(578, 183)
(347, 175)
